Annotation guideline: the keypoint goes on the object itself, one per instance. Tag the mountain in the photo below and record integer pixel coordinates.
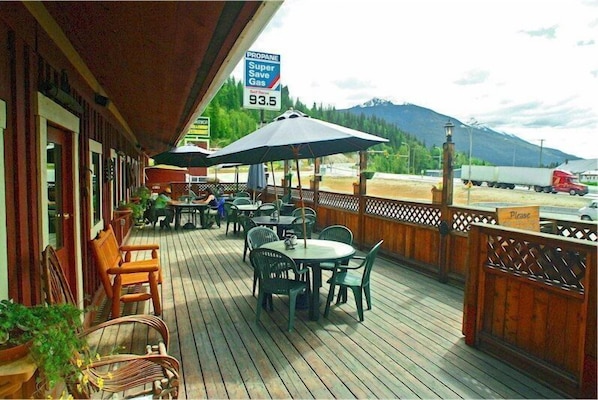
(428, 127)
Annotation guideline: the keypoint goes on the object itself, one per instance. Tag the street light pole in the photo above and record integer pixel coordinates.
(471, 124)
(541, 146)
(408, 156)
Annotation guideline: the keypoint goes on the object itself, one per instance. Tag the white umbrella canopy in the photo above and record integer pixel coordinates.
(293, 136)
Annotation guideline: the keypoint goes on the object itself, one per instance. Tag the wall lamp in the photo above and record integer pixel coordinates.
(52, 91)
(448, 130)
(101, 100)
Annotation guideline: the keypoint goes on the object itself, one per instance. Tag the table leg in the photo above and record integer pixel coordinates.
(316, 281)
(177, 218)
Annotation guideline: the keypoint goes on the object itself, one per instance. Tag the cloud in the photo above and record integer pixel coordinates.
(352, 84)
(549, 33)
(473, 77)
(586, 42)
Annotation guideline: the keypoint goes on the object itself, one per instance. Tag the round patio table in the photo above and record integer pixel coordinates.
(280, 222)
(313, 254)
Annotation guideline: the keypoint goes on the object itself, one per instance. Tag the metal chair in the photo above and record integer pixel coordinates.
(256, 237)
(272, 268)
(347, 278)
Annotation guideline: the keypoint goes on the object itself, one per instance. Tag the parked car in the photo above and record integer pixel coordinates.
(589, 212)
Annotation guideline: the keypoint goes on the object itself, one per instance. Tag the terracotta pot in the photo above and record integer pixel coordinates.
(14, 353)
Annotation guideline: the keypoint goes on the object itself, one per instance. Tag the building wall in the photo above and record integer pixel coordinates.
(28, 58)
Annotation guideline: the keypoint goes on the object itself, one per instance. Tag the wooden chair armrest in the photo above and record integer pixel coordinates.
(152, 321)
(115, 373)
(130, 248)
(139, 247)
(131, 270)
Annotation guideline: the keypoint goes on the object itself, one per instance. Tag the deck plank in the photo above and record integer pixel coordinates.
(410, 344)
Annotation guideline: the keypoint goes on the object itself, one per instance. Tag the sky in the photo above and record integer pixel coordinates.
(523, 67)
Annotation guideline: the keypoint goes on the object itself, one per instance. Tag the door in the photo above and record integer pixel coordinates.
(60, 194)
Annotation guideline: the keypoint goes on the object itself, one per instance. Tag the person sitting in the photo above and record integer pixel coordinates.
(213, 212)
(162, 208)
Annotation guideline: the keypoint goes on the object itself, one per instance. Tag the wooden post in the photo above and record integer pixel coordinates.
(447, 201)
(363, 162)
(316, 182)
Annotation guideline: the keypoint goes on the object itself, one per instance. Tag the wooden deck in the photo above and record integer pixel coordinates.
(409, 346)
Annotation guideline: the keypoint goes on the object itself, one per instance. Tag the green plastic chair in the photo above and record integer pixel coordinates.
(246, 223)
(256, 237)
(337, 233)
(241, 200)
(266, 209)
(348, 278)
(297, 226)
(308, 211)
(231, 214)
(273, 267)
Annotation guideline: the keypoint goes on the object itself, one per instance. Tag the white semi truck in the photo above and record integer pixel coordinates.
(540, 179)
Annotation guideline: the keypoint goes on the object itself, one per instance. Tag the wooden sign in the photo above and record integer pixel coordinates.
(522, 217)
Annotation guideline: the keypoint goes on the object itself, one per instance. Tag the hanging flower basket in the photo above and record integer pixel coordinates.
(368, 174)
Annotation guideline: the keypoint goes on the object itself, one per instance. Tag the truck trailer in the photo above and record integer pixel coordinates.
(540, 179)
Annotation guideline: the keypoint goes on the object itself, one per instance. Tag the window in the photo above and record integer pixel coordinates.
(95, 198)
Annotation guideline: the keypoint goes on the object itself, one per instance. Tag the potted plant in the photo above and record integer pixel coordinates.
(135, 207)
(368, 174)
(50, 334)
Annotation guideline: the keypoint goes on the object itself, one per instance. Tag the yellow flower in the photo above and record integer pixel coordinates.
(110, 376)
(79, 362)
(101, 383)
(98, 357)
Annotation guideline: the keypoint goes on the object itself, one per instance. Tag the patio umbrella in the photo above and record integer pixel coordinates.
(293, 136)
(256, 178)
(185, 156)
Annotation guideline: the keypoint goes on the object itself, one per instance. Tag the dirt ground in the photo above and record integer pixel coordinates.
(421, 190)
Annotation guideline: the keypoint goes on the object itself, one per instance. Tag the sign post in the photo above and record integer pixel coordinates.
(262, 81)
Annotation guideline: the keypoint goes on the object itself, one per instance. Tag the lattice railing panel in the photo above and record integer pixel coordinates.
(556, 266)
(340, 201)
(415, 213)
(577, 230)
(462, 218)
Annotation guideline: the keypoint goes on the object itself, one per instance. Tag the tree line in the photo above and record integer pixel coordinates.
(403, 154)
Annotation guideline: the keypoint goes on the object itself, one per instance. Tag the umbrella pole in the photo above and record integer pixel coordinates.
(274, 181)
(296, 151)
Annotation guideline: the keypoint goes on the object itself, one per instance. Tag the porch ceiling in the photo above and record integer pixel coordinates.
(159, 63)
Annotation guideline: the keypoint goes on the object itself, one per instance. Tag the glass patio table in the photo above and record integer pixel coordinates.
(316, 252)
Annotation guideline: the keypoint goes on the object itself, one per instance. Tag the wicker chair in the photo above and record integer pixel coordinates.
(152, 367)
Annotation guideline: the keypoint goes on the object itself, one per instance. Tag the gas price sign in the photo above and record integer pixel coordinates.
(262, 81)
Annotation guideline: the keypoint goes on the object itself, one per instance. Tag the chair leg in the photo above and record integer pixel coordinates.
(358, 302)
(329, 299)
(368, 298)
(153, 282)
(292, 304)
(255, 278)
(260, 304)
(245, 248)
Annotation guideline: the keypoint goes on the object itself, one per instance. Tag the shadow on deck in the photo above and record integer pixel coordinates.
(409, 346)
